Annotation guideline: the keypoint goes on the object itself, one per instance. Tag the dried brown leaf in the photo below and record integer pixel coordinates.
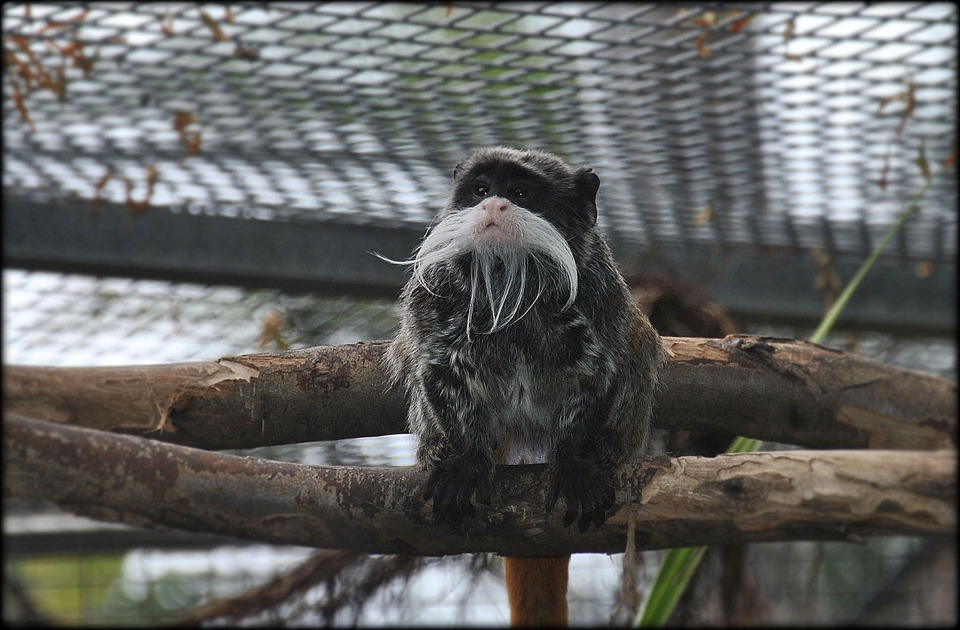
(60, 85)
(704, 216)
(151, 180)
(742, 23)
(707, 19)
(911, 106)
(246, 53)
(182, 120)
(98, 189)
(922, 161)
(211, 24)
(272, 331)
(899, 96)
(22, 108)
(788, 31)
(924, 269)
(166, 24)
(882, 182)
(702, 45)
(950, 161)
(135, 207)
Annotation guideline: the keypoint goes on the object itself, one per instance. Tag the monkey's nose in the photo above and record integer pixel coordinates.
(495, 204)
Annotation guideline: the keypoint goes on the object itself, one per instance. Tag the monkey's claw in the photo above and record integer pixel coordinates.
(452, 483)
(589, 495)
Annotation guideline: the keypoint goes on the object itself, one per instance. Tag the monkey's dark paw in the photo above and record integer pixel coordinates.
(589, 494)
(451, 484)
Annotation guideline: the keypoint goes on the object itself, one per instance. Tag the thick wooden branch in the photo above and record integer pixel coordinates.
(772, 389)
(766, 496)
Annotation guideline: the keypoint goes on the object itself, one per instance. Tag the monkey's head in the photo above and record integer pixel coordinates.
(516, 224)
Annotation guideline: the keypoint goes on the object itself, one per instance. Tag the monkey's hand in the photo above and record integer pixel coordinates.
(453, 481)
(587, 489)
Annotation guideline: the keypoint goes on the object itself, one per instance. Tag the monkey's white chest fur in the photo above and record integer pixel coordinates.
(523, 413)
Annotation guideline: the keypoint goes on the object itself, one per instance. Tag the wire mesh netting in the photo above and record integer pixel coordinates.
(713, 126)
(69, 319)
(710, 124)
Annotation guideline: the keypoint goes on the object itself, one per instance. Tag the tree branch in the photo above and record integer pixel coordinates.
(766, 496)
(772, 389)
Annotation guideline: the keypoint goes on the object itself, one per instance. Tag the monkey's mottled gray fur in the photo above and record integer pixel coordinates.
(570, 382)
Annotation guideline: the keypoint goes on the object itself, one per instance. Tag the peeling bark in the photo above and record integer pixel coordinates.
(766, 496)
(779, 390)
(314, 394)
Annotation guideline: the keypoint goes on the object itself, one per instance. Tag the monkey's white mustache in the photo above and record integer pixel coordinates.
(522, 236)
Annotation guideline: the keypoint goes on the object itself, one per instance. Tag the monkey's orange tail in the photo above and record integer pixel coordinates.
(537, 588)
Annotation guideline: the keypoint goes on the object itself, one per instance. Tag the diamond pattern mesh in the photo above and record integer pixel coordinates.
(711, 125)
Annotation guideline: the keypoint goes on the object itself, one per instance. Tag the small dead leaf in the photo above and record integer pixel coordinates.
(707, 19)
(911, 105)
(704, 216)
(182, 120)
(166, 24)
(245, 53)
(211, 24)
(138, 207)
(449, 8)
(22, 108)
(191, 135)
(788, 31)
(899, 96)
(827, 282)
(229, 15)
(882, 182)
(24, 45)
(702, 45)
(151, 179)
(272, 331)
(922, 161)
(98, 189)
(52, 26)
(56, 25)
(193, 142)
(924, 269)
(950, 161)
(60, 85)
(742, 23)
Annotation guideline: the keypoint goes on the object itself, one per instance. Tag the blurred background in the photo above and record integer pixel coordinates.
(187, 181)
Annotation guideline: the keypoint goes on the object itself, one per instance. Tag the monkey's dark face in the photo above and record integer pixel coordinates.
(510, 222)
(532, 181)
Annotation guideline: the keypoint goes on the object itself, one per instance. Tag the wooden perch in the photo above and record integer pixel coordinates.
(779, 390)
(687, 501)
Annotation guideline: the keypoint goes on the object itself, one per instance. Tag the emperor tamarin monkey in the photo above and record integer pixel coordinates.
(520, 341)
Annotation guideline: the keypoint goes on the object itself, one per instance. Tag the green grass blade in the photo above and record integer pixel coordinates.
(679, 564)
(831, 317)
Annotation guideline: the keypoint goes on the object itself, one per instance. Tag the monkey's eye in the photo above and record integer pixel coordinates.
(520, 192)
(481, 190)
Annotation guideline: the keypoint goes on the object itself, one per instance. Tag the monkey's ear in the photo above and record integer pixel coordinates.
(458, 168)
(587, 183)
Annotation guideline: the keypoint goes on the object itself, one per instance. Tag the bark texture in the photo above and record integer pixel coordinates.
(779, 390)
(766, 496)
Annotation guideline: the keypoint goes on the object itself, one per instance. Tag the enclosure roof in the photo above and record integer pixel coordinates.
(713, 126)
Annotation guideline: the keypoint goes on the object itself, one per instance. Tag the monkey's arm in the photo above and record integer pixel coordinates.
(455, 446)
(584, 458)
(604, 419)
